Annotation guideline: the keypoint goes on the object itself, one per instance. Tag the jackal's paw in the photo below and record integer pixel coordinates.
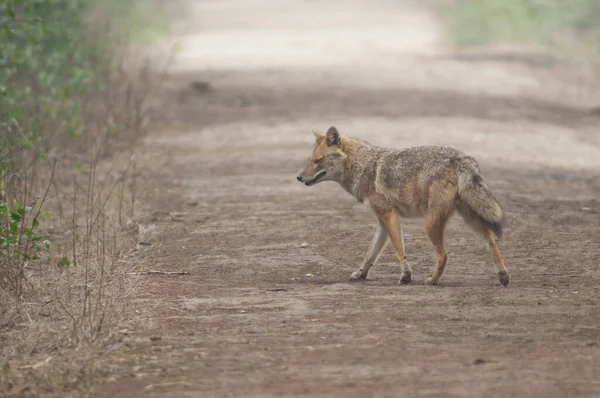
(358, 275)
(430, 281)
(504, 278)
(406, 278)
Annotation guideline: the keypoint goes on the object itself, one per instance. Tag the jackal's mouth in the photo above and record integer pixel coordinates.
(315, 179)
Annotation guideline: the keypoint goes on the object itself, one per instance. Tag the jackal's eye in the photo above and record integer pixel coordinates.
(316, 161)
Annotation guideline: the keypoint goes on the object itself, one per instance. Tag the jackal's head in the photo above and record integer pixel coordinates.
(327, 160)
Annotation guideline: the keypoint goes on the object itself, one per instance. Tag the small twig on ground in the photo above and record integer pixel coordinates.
(167, 384)
(159, 273)
(36, 365)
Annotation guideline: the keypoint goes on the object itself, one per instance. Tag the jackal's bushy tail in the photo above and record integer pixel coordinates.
(477, 205)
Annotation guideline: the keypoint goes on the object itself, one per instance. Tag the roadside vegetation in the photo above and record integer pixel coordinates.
(570, 29)
(74, 94)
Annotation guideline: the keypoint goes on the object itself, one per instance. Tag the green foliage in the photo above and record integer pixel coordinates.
(45, 69)
(52, 53)
(20, 244)
(58, 88)
(544, 22)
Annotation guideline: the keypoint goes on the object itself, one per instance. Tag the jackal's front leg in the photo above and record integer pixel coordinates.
(375, 249)
(394, 230)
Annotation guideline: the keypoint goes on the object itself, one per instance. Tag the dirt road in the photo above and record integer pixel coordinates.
(265, 308)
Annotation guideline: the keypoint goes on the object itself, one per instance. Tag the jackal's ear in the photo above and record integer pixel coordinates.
(333, 137)
(318, 135)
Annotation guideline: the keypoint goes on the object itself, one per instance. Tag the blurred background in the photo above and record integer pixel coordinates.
(569, 28)
(178, 127)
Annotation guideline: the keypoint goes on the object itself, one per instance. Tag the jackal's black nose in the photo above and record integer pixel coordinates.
(299, 178)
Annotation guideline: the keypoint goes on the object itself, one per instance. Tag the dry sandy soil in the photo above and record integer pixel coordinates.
(264, 307)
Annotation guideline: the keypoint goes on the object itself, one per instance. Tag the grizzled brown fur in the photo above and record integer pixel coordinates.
(432, 182)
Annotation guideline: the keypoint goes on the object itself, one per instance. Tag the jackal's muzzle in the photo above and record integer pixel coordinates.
(308, 181)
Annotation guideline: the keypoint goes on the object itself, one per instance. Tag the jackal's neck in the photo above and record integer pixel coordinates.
(357, 178)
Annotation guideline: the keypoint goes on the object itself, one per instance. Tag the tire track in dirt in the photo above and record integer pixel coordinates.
(266, 309)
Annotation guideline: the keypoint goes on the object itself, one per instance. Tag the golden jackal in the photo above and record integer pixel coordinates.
(431, 182)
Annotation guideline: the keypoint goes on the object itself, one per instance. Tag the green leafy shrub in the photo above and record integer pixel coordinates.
(73, 94)
(45, 68)
(55, 55)
(558, 24)
(64, 94)
(20, 244)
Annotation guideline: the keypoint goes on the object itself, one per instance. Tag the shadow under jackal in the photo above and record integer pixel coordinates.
(432, 182)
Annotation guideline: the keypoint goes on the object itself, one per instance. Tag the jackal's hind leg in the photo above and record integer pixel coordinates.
(503, 275)
(375, 249)
(435, 224)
